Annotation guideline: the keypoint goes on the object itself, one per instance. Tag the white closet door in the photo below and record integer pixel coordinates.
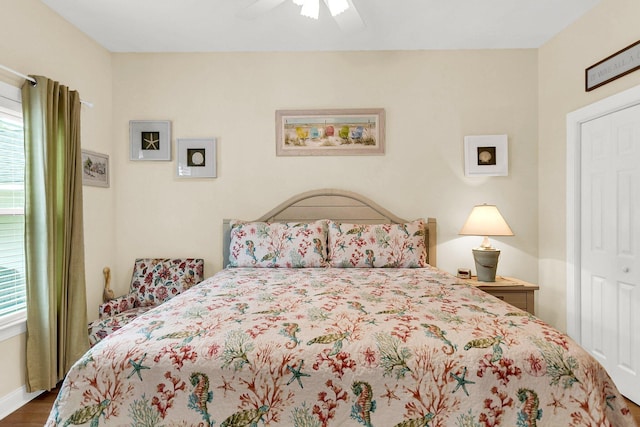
(610, 247)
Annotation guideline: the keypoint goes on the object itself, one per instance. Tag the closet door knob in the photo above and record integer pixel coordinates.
(625, 269)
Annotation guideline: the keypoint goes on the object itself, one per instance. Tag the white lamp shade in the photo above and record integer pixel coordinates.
(486, 220)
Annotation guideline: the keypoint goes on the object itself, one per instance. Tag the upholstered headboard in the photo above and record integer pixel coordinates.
(337, 205)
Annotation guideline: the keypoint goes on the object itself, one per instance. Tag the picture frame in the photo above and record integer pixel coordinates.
(621, 63)
(486, 155)
(196, 158)
(330, 132)
(95, 169)
(150, 140)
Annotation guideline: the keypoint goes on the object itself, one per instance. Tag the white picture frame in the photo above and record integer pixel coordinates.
(486, 155)
(196, 158)
(150, 140)
(95, 169)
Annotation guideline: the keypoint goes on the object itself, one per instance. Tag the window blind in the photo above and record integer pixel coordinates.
(12, 269)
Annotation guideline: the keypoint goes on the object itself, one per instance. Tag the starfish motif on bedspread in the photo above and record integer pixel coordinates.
(556, 403)
(390, 394)
(297, 374)
(462, 381)
(226, 386)
(137, 367)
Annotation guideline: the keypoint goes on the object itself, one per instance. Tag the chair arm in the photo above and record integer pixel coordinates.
(117, 306)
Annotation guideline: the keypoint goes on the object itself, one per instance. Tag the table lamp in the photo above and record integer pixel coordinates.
(485, 220)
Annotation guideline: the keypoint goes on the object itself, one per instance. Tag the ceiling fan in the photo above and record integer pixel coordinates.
(343, 11)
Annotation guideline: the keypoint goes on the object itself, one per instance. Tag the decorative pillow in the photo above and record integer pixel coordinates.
(156, 280)
(377, 245)
(291, 245)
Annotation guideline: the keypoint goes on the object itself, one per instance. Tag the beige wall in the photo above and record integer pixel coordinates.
(34, 40)
(432, 99)
(609, 27)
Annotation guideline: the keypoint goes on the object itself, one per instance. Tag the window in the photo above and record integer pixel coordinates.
(12, 269)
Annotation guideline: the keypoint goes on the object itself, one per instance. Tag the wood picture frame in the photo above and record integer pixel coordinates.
(150, 140)
(95, 169)
(330, 132)
(621, 63)
(196, 158)
(486, 155)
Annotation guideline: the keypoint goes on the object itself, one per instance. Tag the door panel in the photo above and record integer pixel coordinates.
(610, 265)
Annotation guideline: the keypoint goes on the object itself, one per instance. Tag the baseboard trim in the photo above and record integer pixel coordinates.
(15, 400)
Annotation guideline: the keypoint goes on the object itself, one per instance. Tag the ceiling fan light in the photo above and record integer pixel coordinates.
(336, 7)
(311, 9)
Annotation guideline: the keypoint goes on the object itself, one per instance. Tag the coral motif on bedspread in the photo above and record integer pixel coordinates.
(337, 347)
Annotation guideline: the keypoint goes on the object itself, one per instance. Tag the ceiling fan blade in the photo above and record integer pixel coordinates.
(350, 20)
(258, 8)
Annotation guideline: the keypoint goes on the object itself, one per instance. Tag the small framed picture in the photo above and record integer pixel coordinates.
(197, 158)
(95, 169)
(150, 140)
(486, 155)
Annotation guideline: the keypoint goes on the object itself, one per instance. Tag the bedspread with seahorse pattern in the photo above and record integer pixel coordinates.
(337, 347)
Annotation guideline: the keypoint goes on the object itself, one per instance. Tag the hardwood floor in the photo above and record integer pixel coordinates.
(35, 413)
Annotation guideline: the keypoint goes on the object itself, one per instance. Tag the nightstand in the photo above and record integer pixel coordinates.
(513, 291)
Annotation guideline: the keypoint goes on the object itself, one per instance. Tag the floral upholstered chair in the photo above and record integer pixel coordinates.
(154, 281)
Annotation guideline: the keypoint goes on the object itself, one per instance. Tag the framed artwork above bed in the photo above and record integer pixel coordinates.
(341, 132)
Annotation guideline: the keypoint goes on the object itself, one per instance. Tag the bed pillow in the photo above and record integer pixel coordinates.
(291, 245)
(377, 245)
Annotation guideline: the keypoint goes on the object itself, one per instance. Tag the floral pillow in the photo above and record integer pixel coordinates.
(377, 245)
(291, 245)
(156, 280)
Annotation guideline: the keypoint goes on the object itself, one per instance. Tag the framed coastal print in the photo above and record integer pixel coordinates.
(95, 169)
(486, 155)
(343, 132)
(197, 158)
(150, 140)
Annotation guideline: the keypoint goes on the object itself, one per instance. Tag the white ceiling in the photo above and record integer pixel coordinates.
(217, 25)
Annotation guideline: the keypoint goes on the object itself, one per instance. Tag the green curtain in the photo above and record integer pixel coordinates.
(54, 240)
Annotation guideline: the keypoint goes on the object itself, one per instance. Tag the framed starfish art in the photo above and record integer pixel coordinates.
(150, 140)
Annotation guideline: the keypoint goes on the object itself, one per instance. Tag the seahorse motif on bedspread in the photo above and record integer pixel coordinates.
(365, 405)
(289, 330)
(201, 395)
(530, 412)
(435, 332)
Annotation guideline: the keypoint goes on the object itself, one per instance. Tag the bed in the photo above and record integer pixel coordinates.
(289, 335)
